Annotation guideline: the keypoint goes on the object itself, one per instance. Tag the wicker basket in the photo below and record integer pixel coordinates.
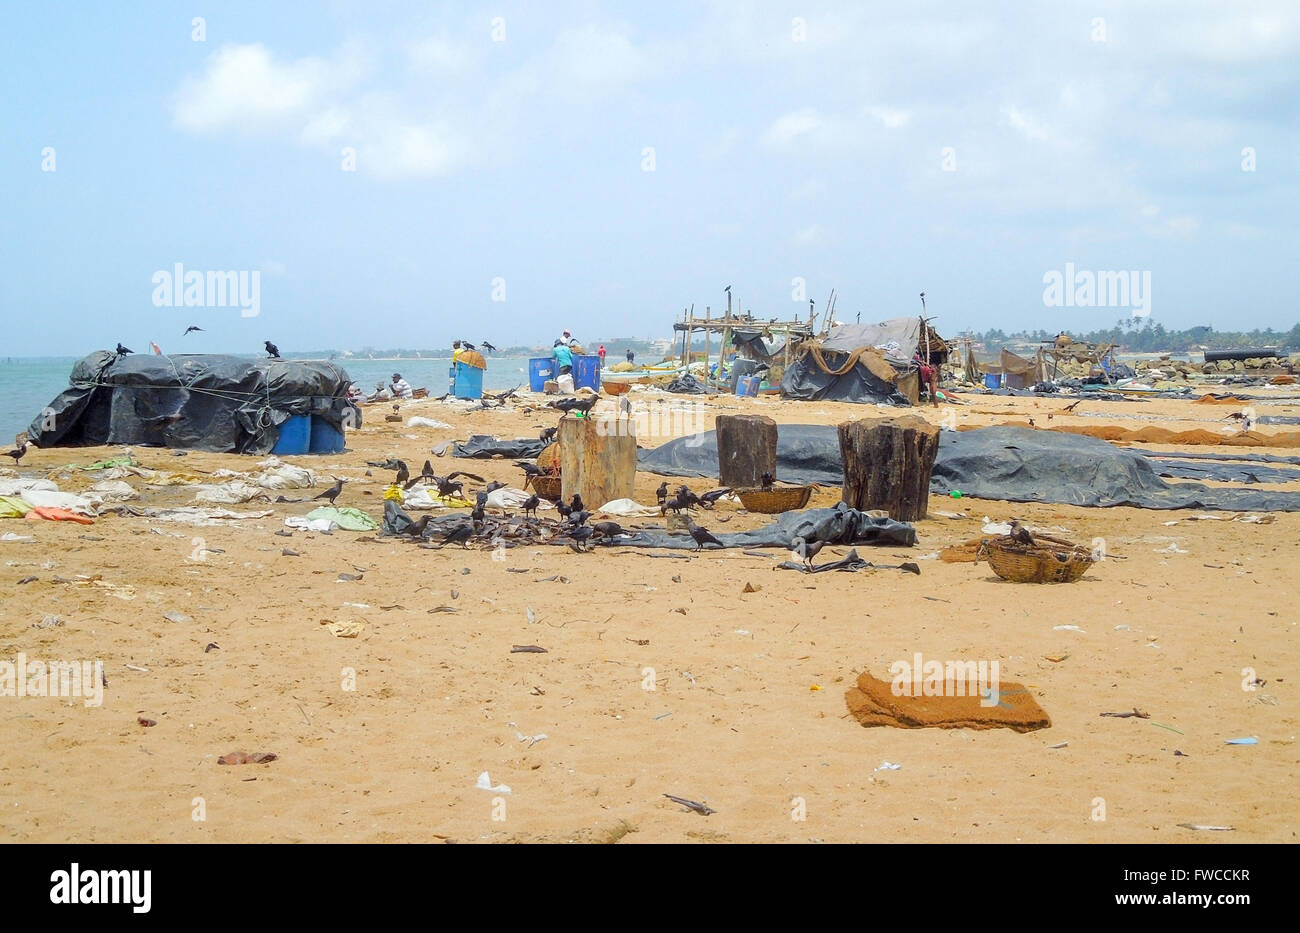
(774, 500)
(1021, 563)
(615, 388)
(547, 487)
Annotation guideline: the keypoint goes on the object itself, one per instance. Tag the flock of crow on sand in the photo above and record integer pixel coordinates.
(525, 527)
(528, 529)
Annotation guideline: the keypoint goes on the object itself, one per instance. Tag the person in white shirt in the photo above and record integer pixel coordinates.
(401, 388)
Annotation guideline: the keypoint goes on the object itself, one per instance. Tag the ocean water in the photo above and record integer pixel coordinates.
(28, 384)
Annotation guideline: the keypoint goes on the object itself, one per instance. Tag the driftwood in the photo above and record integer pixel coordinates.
(887, 465)
(746, 449)
(597, 459)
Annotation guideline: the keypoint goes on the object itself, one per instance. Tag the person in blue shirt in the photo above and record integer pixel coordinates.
(563, 357)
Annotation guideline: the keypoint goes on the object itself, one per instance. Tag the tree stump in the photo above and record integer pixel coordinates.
(746, 449)
(887, 465)
(597, 458)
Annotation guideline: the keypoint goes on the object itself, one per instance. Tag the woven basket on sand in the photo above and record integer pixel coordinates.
(1029, 563)
(548, 487)
(774, 500)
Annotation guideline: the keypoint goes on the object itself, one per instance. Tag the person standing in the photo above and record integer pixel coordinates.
(563, 358)
(630, 356)
(601, 353)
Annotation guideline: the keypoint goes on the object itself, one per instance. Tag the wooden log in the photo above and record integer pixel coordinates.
(746, 449)
(887, 465)
(597, 457)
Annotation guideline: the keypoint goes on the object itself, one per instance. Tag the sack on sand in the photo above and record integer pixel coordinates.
(873, 703)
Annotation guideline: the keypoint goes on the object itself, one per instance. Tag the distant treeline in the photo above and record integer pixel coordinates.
(1143, 336)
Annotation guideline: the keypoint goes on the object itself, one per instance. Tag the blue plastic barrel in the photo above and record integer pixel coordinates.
(748, 385)
(295, 436)
(325, 437)
(469, 381)
(586, 371)
(540, 369)
(992, 380)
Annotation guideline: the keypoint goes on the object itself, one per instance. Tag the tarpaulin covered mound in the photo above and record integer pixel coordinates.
(805, 453)
(873, 703)
(1005, 462)
(1025, 465)
(200, 402)
(485, 447)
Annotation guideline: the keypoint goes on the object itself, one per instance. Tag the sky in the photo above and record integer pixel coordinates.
(403, 174)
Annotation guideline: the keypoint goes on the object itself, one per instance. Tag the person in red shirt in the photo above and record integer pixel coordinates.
(601, 353)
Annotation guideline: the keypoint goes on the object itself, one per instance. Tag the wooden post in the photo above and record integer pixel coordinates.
(597, 458)
(887, 465)
(746, 449)
(708, 316)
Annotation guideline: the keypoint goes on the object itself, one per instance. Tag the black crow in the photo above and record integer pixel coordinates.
(332, 493)
(460, 534)
(191, 329)
(123, 351)
(18, 452)
(531, 504)
(701, 536)
(661, 494)
(272, 349)
(806, 550)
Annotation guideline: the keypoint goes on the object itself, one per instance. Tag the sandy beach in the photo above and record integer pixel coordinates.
(748, 708)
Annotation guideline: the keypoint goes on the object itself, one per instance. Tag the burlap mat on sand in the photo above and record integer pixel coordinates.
(872, 703)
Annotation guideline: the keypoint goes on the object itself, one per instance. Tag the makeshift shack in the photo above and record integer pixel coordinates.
(200, 402)
(865, 363)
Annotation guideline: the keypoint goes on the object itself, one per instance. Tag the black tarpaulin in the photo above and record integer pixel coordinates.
(485, 447)
(192, 401)
(1007, 463)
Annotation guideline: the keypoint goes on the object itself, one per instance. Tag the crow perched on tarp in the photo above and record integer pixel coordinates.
(807, 550)
(701, 536)
(271, 349)
(608, 530)
(460, 534)
(576, 503)
(123, 351)
(416, 529)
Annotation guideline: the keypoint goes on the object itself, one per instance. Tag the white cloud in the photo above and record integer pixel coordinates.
(792, 127)
(244, 88)
(1017, 119)
(1175, 227)
(439, 55)
(809, 235)
(890, 118)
